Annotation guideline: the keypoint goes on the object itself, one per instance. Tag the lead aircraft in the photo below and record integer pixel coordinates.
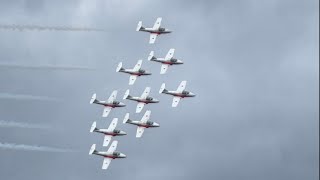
(108, 133)
(109, 155)
(144, 99)
(134, 73)
(155, 31)
(178, 94)
(109, 104)
(166, 61)
(144, 123)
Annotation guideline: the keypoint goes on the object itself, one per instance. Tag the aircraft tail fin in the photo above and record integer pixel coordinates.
(162, 88)
(119, 67)
(126, 118)
(151, 56)
(92, 149)
(126, 94)
(93, 126)
(93, 98)
(139, 26)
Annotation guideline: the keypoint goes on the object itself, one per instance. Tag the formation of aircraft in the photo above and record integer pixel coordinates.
(144, 123)
(178, 94)
(166, 61)
(109, 104)
(108, 133)
(155, 31)
(136, 71)
(109, 155)
(142, 100)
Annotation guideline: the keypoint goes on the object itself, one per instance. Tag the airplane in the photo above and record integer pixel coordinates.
(155, 31)
(178, 94)
(134, 73)
(144, 123)
(166, 62)
(144, 99)
(109, 104)
(111, 131)
(109, 155)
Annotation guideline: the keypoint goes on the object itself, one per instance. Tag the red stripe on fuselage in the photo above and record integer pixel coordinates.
(146, 126)
(136, 74)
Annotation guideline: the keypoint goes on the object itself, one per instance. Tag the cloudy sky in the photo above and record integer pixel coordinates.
(253, 65)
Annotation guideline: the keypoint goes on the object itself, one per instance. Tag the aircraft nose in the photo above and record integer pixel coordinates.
(180, 62)
(122, 132)
(122, 104)
(156, 125)
(123, 155)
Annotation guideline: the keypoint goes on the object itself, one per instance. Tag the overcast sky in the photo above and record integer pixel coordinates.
(253, 65)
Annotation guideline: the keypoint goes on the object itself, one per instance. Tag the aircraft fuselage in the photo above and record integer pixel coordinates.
(146, 101)
(141, 72)
(148, 124)
(113, 104)
(112, 155)
(179, 94)
(156, 31)
(172, 61)
(111, 133)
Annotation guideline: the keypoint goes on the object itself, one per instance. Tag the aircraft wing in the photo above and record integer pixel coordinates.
(106, 140)
(113, 147)
(140, 131)
(169, 54)
(153, 37)
(157, 24)
(132, 79)
(164, 68)
(106, 111)
(106, 163)
(146, 116)
(139, 107)
(145, 93)
(182, 86)
(175, 101)
(113, 124)
(112, 97)
(138, 65)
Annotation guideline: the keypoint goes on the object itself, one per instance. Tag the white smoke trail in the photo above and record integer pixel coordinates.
(47, 28)
(45, 67)
(27, 97)
(24, 147)
(22, 125)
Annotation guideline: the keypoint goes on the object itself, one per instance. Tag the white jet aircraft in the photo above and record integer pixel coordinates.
(109, 104)
(144, 123)
(178, 94)
(155, 31)
(134, 73)
(109, 155)
(144, 99)
(111, 131)
(166, 62)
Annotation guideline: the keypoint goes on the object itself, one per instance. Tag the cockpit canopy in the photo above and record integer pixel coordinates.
(116, 131)
(116, 153)
(173, 60)
(142, 71)
(149, 98)
(162, 29)
(115, 102)
(185, 92)
(149, 123)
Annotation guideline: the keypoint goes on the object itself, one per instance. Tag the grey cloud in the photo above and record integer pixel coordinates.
(252, 64)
